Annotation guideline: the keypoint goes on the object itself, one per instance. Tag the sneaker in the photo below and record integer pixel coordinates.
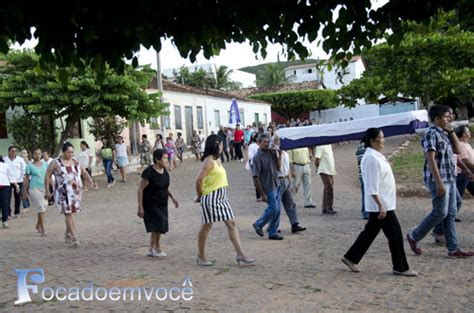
(310, 206)
(276, 237)
(439, 239)
(407, 273)
(461, 254)
(67, 238)
(160, 254)
(5, 225)
(414, 245)
(297, 228)
(113, 183)
(154, 254)
(352, 266)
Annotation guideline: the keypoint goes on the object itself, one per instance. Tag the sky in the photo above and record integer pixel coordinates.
(236, 55)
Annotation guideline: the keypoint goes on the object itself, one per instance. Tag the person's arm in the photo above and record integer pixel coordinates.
(430, 157)
(382, 210)
(207, 166)
(91, 159)
(454, 141)
(26, 181)
(47, 179)
(114, 155)
(258, 185)
(175, 202)
(87, 177)
(141, 187)
(466, 167)
(317, 157)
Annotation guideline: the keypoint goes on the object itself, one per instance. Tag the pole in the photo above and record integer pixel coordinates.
(159, 83)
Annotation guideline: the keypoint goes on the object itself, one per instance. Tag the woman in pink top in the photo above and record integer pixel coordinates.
(465, 176)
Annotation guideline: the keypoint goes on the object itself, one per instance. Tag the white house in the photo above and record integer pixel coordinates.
(308, 72)
(246, 79)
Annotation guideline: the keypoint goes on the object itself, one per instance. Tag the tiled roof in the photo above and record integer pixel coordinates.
(309, 85)
(169, 86)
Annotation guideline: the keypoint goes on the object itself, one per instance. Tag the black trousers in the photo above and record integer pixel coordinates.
(17, 196)
(238, 150)
(226, 153)
(391, 229)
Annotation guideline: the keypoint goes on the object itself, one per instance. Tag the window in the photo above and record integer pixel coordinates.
(310, 70)
(177, 117)
(217, 118)
(3, 126)
(76, 132)
(154, 123)
(294, 72)
(265, 120)
(200, 120)
(242, 118)
(256, 118)
(167, 121)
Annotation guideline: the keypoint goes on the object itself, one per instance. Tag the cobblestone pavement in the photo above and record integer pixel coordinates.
(302, 273)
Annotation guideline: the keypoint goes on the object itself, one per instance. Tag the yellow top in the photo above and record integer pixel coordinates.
(217, 178)
(299, 156)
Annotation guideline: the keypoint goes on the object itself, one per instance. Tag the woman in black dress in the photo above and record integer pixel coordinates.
(153, 197)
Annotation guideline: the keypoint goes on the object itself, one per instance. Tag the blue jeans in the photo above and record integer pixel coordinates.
(271, 215)
(108, 170)
(365, 214)
(5, 195)
(462, 181)
(444, 210)
(439, 227)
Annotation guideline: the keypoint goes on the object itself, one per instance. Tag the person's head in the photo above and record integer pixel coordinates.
(179, 135)
(276, 143)
(144, 137)
(68, 150)
(24, 154)
(84, 145)
(159, 137)
(439, 115)
(253, 137)
(221, 128)
(452, 116)
(248, 127)
(194, 132)
(463, 132)
(12, 152)
(171, 135)
(158, 158)
(46, 155)
(120, 139)
(270, 130)
(373, 138)
(237, 126)
(213, 147)
(37, 154)
(264, 141)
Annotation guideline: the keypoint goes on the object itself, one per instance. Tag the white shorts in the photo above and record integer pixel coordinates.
(38, 202)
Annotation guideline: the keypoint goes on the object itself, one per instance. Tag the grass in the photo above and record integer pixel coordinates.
(408, 166)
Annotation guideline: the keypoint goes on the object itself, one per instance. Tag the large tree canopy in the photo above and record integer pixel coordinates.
(434, 62)
(71, 32)
(42, 93)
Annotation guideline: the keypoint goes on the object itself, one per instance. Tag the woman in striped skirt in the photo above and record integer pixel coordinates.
(211, 188)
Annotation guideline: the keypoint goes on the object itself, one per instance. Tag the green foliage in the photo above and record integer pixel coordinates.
(273, 75)
(108, 127)
(434, 62)
(43, 92)
(293, 103)
(30, 132)
(203, 79)
(95, 33)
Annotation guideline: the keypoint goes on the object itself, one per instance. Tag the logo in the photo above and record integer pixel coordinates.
(29, 279)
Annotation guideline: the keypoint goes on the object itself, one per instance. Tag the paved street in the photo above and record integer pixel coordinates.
(302, 273)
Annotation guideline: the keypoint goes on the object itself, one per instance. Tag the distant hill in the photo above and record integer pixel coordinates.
(258, 69)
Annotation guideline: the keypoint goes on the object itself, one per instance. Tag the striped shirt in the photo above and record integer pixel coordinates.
(435, 139)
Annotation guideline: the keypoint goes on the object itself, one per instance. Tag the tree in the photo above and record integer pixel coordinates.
(200, 78)
(96, 33)
(292, 103)
(42, 92)
(434, 62)
(274, 75)
(222, 80)
(108, 127)
(30, 132)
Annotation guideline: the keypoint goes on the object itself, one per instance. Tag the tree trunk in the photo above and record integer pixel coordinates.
(65, 133)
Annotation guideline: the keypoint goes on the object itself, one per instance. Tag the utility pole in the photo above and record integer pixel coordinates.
(159, 83)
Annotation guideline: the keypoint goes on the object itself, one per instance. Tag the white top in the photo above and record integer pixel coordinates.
(49, 160)
(83, 158)
(252, 151)
(121, 150)
(378, 180)
(285, 164)
(5, 175)
(326, 160)
(17, 168)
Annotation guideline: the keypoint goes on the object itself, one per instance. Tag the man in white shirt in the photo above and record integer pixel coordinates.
(286, 197)
(17, 169)
(326, 168)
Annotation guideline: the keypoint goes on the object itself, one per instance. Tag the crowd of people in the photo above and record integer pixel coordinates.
(277, 176)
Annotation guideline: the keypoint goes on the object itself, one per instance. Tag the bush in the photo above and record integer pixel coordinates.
(30, 132)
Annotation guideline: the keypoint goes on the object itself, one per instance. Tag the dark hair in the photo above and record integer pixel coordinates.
(85, 144)
(178, 134)
(37, 148)
(212, 147)
(460, 130)
(1, 159)
(66, 146)
(144, 136)
(253, 137)
(262, 136)
(11, 147)
(158, 155)
(437, 111)
(370, 135)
